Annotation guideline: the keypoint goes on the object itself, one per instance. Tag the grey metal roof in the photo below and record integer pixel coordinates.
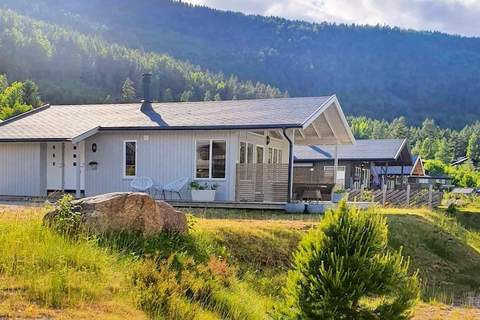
(65, 122)
(382, 149)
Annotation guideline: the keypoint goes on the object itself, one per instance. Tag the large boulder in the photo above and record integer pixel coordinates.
(127, 211)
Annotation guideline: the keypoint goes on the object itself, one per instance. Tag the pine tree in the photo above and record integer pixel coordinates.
(167, 95)
(208, 96)
(217, 97)
(344, 262)
(128, 90)
(186, 96)
(444, 151)
(398, 128)
(473, 148)
(31, 95)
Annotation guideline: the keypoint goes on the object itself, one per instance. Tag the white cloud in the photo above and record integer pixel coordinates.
(451, 16)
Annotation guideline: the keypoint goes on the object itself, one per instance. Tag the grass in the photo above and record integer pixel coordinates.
(41, 272)
(232, 265)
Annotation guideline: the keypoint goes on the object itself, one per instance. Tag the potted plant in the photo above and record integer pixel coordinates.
(203, 192)
(295, 207)
(338, 194)
(316, 207)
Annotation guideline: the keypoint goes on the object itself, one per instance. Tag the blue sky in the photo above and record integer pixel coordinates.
(450, 16)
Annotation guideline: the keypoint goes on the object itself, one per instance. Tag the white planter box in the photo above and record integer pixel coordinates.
(203, 195)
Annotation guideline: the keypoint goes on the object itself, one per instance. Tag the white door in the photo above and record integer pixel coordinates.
(54, 166)
(74, 156)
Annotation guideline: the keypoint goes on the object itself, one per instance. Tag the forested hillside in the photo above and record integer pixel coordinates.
(70, 67)
(379, 72)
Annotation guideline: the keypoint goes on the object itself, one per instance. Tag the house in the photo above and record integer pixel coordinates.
(314, 165)
(415, 176)
(244, 146)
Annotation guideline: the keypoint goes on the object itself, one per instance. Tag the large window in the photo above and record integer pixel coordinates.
(130, 158)
(211, 159)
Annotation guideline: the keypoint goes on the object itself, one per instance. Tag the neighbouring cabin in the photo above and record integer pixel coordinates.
(362, 165)
(243, 146)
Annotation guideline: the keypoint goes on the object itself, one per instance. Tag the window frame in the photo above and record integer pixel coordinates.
(124, 166)
(210, 159)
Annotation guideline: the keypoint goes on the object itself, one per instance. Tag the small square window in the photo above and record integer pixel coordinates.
(74, 147)
(74, 164)
(53, 155)
(74, 155)
(53, 147)
(53, 163)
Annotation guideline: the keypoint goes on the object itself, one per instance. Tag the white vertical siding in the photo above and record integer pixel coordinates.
(163, 156)
(21, 171)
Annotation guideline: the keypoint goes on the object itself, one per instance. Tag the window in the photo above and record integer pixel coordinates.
(243, 151)
(249, 153)
(259, 154)
(211, 159)
(246, 152)
(130, 158)
(270, 155)
(280, 156)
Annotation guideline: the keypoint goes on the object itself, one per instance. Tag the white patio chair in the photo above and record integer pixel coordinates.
(142, 184)
(175, 187)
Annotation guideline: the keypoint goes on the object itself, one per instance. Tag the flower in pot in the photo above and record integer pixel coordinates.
(203, 192)
(338, 194)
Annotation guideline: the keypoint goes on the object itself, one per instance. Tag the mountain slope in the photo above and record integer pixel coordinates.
(71, 67)
(379, 72)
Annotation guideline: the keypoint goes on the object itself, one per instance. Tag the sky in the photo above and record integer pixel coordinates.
(449, 16)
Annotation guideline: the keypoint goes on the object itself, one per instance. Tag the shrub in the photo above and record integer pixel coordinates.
(343, 270)
(67, 219)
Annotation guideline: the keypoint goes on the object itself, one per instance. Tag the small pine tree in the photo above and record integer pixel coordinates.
(128, 90)
(343, 263)
(217, 97)
(186, 96)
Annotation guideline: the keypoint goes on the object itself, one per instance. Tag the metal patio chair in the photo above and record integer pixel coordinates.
(174, 187)
(141, 184)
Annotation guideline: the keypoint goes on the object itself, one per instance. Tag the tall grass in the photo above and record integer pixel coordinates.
(54, 271)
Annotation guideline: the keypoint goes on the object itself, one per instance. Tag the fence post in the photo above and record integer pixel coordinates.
(384, 194)
(408, 195)
(430, 197)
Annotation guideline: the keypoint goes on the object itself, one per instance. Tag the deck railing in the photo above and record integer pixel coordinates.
(262, 183)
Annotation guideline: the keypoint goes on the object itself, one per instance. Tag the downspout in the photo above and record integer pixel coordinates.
(290, 164)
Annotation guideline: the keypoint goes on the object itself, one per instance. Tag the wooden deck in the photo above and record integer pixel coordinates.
(229, 205)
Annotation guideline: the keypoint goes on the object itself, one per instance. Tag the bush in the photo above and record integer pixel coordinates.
(67, 220)
(343, 270)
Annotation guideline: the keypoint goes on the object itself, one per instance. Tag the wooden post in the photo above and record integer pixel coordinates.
(384, 195)
(430, 196)
(401, 179)
(408, 195)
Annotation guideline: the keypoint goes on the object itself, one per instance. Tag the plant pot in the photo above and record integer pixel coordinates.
(316, 208)
(337, 197)
(295, 207)
(203, 195)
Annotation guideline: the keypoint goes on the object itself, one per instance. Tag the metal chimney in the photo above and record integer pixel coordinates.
(147, 99)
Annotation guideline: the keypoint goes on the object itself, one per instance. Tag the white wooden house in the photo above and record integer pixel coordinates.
(245, 146)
